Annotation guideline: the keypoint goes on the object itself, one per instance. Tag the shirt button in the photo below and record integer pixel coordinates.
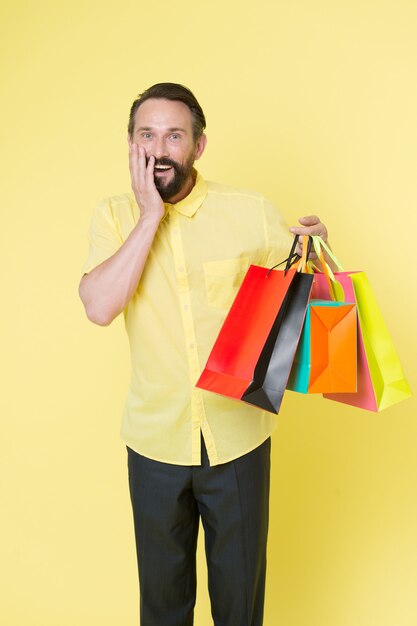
(191, 345)
(181, 268)
(186, 307)
(175, 231)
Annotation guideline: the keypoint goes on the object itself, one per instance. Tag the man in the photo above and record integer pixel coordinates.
(171, 256)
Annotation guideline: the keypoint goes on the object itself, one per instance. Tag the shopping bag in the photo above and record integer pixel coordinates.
(381, 380)
(326, 358)
(237, 366)
(274, 364)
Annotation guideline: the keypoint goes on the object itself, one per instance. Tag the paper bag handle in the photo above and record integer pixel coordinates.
(293, 258)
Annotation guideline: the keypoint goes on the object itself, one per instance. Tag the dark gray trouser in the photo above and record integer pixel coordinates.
(233, 501)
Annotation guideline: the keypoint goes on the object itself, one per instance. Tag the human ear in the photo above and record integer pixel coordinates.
(200, 146)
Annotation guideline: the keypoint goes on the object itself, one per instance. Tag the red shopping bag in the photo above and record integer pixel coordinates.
(255, 326)
(232, 361)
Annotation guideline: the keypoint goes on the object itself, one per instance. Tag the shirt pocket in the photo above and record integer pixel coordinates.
(223, 279)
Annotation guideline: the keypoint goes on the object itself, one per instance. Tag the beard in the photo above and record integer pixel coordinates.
(181, 173)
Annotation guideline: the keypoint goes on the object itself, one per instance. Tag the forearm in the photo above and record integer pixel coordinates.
(108, 288)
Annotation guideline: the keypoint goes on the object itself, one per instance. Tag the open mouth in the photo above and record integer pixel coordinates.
(161, 169)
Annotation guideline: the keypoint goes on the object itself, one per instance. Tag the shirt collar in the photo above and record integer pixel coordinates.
(191, 203)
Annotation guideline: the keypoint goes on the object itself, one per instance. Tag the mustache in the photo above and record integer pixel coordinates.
(163, 161)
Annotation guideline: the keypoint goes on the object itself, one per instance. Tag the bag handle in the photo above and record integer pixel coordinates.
(333, 284)
(303, 264)
(320, 245)
(293, 258)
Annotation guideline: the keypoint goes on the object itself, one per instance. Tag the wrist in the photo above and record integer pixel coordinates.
(150, 219)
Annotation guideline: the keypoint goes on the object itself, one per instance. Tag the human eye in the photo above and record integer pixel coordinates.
(175, 136)
(146, 135)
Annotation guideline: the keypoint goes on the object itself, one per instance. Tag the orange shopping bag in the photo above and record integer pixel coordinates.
(326, 357)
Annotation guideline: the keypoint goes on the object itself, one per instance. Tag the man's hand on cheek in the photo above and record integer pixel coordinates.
(143, 183)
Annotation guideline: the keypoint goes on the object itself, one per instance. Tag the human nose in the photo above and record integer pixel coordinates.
(159, 148)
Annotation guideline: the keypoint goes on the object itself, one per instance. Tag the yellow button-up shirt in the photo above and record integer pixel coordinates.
(197, 261)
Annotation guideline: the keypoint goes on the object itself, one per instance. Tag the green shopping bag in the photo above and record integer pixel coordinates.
(381, 380)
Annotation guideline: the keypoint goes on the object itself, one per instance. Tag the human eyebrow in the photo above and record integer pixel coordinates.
(170, 130)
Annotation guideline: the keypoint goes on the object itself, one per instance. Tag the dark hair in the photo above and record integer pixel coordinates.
(171, 91)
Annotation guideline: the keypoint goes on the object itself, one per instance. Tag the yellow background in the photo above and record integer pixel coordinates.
(314, 104)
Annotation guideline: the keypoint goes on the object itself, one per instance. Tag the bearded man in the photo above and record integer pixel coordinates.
(171, 256)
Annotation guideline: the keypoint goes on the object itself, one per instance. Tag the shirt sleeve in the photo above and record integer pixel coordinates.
(104, 236)
(277, 235)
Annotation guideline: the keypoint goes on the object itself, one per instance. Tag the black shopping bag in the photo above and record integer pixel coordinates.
(274, 365)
